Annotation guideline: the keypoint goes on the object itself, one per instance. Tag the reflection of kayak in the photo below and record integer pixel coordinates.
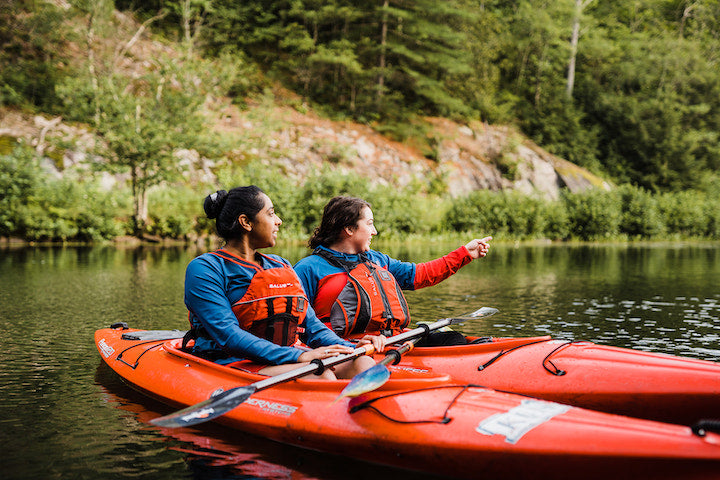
(211, 450)
(424, 421)
(610, 379)
(220, 452)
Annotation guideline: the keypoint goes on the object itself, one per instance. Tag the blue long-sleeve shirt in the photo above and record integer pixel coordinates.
(212, 286)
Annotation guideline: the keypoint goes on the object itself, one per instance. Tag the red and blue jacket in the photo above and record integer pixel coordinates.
(241, 319)
(342, 294)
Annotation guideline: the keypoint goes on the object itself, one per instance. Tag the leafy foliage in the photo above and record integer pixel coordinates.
(32, 54)
(36, 207)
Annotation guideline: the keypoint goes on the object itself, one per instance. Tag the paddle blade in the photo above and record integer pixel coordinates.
(479, 313)
(206, 410)
(366, 381)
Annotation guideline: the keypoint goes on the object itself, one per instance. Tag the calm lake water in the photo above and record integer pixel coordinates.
(64, 415)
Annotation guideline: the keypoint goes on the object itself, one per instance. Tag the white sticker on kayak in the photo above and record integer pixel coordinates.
(411, 369)
(517, 421)
(105, 349)
(273, 408)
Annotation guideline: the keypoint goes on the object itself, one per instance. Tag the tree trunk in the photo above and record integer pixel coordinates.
(686, 14)
(90, 41)
(574, 40)
(139, 188)
(186, 14)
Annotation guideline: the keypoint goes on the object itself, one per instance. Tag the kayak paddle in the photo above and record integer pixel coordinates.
(222, 403)
(375, 377)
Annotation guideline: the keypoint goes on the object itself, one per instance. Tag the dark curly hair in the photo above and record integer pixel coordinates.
(226, 207)
(340, 212)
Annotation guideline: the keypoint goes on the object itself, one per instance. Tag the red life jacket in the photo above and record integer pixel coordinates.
(273, 305)
(370, 302)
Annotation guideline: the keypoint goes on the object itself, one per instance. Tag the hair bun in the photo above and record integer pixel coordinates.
(214, 203)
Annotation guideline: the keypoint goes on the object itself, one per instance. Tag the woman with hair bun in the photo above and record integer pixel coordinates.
(358, 291)
(248, 309)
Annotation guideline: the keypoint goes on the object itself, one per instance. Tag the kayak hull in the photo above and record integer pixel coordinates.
(423, 421)
(598, 377)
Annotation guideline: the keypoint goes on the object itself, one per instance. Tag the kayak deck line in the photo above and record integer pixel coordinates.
(554, 371)
(502, 353)
(152, 343)
(356, 407)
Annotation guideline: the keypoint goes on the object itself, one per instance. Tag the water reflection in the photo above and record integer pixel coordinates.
(211, 451)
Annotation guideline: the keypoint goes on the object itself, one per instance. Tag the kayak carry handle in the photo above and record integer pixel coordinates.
(703, 426)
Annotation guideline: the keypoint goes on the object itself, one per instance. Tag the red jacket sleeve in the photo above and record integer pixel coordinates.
(435, 271)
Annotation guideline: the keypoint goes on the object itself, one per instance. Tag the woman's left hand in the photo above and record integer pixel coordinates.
(378, 342)
(478, 247)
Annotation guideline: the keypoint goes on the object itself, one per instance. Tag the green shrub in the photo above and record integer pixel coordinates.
(511, 215)
(19, 178)
(685, 214)
(641, 217)
(527, 215)
(174, 210)
(37, 207)
(319, 188)
(401, 212)
(712, 210)
(480, 210)
(593, 214)
(557, 221)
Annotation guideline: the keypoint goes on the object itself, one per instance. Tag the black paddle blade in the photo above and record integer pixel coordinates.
(206, 410)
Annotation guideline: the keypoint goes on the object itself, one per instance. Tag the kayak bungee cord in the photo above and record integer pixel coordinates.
(703, 426)
(149, 339)
(137, 360)
(555, 370)
(445, 419)
(504, 352)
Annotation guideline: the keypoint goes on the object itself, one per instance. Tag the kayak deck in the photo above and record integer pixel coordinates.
(610, 379)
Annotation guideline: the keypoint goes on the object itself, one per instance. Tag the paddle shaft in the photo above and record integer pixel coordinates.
(312, 367)
(358, 352)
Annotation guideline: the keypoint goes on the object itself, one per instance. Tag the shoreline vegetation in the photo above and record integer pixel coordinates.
(438, 242)
(37, 208)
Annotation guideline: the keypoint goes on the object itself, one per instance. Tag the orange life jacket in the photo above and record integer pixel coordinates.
(273, 305)
(370, 302)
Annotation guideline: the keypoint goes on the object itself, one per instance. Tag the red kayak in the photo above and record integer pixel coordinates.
(422, 421)
(610, 379)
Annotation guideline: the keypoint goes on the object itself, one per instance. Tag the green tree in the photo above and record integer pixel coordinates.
(141, 119)
(383, 58)
(33, 53)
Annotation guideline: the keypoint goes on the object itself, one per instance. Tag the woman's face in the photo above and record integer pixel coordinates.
(362, 235)
(265, 226)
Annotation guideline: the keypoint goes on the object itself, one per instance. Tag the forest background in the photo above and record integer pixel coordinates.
(628, 90)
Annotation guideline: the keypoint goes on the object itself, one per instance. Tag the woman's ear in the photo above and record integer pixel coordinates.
(348, 232)
(245, 223)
